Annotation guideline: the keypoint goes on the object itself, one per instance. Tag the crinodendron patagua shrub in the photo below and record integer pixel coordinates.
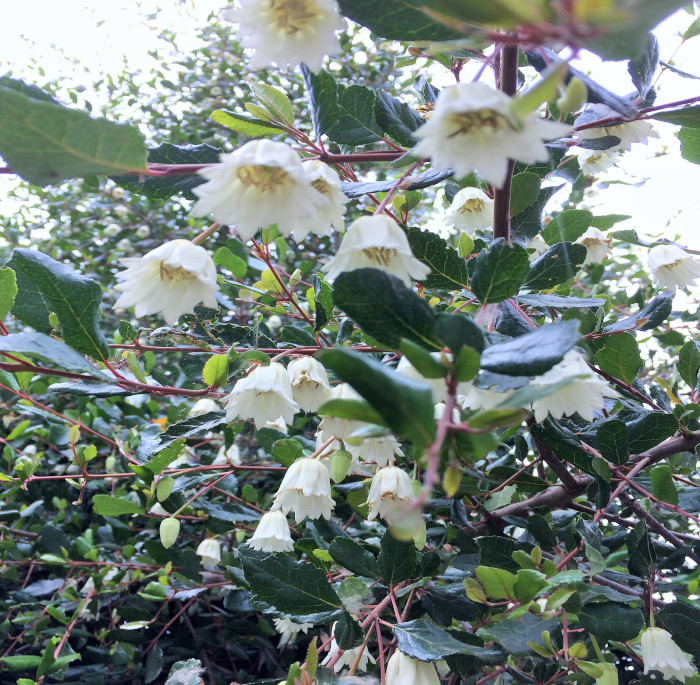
(386, 402)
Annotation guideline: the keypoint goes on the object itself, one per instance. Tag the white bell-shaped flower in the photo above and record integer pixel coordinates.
(288, 33)
(673, 267)
(584, 395)
(305, 490)
(391, 488)
(592, 162)
(210, 551)
(403, 669)
(376, 242)
(471, 210)
(628, 132)
(348, 656)
(309, 380)
(171, 279)
(333, 426)
(263, 395)
(204, 405)
(288, 630)
(380, 451)
(326, 180)
(224, 456)
(661, 653)
(539, 245)
(261, 183)
(272, 534)
(597, 243)
(472, 128)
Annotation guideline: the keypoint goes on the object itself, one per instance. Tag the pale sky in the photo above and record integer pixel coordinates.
(106, 36)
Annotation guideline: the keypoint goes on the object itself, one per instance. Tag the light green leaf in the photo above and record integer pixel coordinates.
(8, 291)
(215, 371)
(248, 126)
(662, 485)
(106, 505)
(45, 142)
(275, 101)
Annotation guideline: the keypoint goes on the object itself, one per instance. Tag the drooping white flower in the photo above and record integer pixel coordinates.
(171, 279)
(333, 426)
(348, 657)
(288, 32)
(124, 245)
(326, 180)
(261, 183)
(583, 395)
(224, 456)
(597, 243)
(210, 551)
(471, 210)
(263, 395)
(272, 534)
(628, 132)
(289, 630)
(593, 162)
(539, 245)
(305, 490)
(661, 653)
(473, 129)
(376, 242)
(309, 380)
(203, 406)
(112, 230)
(403, 669)
(143, 231)
(673, 267)
(380, 451)
(390, 490)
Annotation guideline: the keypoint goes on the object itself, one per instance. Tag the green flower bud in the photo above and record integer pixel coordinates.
(574, 96)
(169, 530)
(164, 488)
(340, 465)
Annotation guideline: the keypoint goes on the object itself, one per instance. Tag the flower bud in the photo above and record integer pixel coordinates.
(340, 465)
(169, 530)
(164, 488)
(574, 96)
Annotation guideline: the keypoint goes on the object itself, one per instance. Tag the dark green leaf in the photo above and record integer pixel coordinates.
(620, 357)
(688, 363)
(356, 410)
(396, 118)
(383, 307)
(425, 641)
(650, 316)
(90, 389)
(497, 552)
(355, 124)
(687, 116)
(514, 634)
(457, 331)
(45, 142)
(107, 505)
(613, 441)
(499, 271)
(557, 265)
(323, 300)
(559, 302)
(352, 556)
(396, 20)
(611, 621)
(528, 223)
(682, 621)
(690, 144)
(448, 271)
(540, 529)
(52, 352)
(643, 68)
(405, 405)
(74, 298)
(154, 665)
(524, 191)
(649, 430)
(297, 336)
(189, 427)
(662, 484)
(163, 187)
(534, 353)
(397, 560)
(569, 225)
(228, 512)
(323, 96)
(563, 443)
(295, 589)
(347, 632)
